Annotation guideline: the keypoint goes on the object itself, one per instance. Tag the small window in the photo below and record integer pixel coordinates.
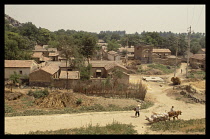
(21, 72)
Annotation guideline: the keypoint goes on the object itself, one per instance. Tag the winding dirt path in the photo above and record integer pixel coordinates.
(25, 124)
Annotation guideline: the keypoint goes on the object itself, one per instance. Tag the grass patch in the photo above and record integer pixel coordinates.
(197, 74)
(113, 128)
(8, 109)
(146, 104)
(165, 69)
(38, 93)
(192, 125)
(94, 108)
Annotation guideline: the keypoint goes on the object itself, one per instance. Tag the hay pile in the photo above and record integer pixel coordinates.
(61, 100)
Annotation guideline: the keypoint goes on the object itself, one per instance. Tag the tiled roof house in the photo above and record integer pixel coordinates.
(23, 67)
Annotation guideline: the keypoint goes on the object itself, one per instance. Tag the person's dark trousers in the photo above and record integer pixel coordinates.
(137, 113)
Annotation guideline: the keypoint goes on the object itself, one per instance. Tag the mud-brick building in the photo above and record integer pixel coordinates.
(67, 79)
(198, 61)
(113, 56)
(143, 53)
(44, 77)
(102, 69)
(162, 53)
(22, 67)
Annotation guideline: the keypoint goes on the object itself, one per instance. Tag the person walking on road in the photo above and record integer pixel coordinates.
(172, 108)
(137, 109)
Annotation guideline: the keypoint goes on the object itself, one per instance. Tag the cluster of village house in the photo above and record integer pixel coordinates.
(48, 67)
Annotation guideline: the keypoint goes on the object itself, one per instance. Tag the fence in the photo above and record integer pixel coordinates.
(106, 88)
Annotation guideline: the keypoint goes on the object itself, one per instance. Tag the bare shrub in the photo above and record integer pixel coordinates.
(142, 90)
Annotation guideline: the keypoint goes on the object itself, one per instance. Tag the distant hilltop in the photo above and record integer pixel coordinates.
(12, 21)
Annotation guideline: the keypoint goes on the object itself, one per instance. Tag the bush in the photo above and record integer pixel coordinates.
(79, 101)
(176, 80)
(192, 125)
(113, 128)
(8, 109)
(165, 69)
(38, 93)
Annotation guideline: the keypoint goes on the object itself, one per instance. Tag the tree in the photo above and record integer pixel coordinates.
(115, 36)
(85, 72)
(30, 30)
(43, 37)
(116, 74)
(88, 45)
(14, 78)
(113, 45)
(182, 45)
(17, 47)
(194, 46)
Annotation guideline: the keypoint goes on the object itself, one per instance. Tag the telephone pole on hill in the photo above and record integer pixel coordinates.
(188, 51)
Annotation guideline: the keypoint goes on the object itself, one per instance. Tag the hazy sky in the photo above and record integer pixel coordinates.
(96, 18)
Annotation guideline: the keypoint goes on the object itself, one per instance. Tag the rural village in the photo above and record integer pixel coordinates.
(50, 92)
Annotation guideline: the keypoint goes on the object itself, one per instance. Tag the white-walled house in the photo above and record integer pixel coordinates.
(22, 67)
(113, 56)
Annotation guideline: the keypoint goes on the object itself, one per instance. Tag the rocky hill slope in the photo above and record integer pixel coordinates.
(12, 21)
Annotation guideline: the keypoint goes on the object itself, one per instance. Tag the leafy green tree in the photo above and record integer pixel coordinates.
(14, 78)
(182, 48)
(43, 37)
(195, 46)
(30, 30)
(113, 45)
(115, 36)
(152, 38)
(202, 41)
(85, 72)
(17, 47)
(116, 75)
(88, 46)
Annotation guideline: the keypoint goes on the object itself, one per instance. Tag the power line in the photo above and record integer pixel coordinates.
(193, 15)
(199, 16)
(187, 16)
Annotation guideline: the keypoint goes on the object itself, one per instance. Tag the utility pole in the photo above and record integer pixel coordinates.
(126, 56)
(176, 56)
(188, 51)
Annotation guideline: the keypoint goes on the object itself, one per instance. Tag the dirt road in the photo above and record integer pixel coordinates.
(24, 124)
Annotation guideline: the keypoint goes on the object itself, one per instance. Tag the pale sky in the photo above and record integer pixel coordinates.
(96, 18)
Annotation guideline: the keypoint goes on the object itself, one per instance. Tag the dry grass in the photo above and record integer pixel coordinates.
(61, 100)
(192, 125)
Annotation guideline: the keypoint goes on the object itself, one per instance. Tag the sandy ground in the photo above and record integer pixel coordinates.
(24, 124)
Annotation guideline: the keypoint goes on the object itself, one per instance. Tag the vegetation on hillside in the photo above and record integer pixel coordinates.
(19, 40)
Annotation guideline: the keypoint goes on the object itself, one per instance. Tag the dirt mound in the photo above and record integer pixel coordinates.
(191, 80)
(61, 100)
(199, 84)
(12, 95)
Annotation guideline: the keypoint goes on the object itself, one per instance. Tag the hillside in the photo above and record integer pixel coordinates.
(12, 21)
